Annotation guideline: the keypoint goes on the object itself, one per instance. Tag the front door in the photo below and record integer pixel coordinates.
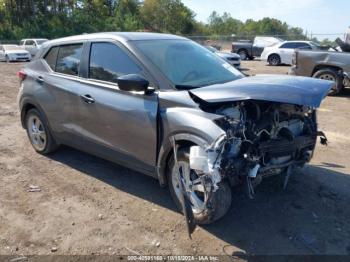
(124, 124)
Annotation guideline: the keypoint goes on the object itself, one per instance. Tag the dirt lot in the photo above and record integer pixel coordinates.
(90, 206)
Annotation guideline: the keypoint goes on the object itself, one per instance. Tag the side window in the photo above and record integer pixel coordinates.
(22, 42)
(30, 42)
(108, 62)
(288, 45)
(302, 46)
(51, 57)
(68, 59)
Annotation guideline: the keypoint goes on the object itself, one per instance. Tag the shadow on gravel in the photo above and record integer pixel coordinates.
(310, 217)
(345, 93)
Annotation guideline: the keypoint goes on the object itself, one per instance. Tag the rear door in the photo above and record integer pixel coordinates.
(119, 123)
(286, 52)
(61, 88)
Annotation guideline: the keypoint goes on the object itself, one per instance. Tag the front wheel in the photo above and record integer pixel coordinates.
(331, 74)
(219, 201)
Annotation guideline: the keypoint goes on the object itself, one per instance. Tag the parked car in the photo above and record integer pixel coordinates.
(168, 107)
(232, 59)
(249, 50)
(32, 45)
(331, 65)
(282, 53)
(11, 53)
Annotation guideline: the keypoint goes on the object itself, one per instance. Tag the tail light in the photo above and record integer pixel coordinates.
(21, 75)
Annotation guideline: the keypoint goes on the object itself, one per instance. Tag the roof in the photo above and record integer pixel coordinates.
(121, 36)
(24, 39)
(299, 41)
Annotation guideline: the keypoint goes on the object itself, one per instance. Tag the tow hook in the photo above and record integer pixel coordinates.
(323, 138)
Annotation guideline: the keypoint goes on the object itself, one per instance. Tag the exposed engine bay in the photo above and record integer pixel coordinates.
(262, 139)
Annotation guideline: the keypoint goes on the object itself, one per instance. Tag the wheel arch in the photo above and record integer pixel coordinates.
(166, 151)
(323, 66)
(25, 105)
(273, 53)
(245, 50)
(24, 110)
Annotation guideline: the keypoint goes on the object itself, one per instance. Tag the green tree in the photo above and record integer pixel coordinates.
(167, 16)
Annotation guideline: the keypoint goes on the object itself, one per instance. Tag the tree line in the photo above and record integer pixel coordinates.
(58, 18)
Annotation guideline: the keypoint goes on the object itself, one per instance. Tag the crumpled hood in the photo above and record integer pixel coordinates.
(275, 88)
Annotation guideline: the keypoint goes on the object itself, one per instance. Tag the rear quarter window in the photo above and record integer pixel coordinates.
(288, 45)
(51, 57)
(68, 59)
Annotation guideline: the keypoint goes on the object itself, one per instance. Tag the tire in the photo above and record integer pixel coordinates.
(243, 54)
(39, 133)
(220, 201)
(274, 60)
(331, 75)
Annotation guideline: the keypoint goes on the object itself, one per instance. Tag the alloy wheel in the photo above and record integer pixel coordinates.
(37, 133)
(193, 186)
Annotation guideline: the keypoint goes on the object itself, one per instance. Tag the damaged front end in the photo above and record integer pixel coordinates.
(262, 139)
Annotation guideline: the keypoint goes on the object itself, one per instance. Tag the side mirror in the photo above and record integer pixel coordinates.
(132, 82)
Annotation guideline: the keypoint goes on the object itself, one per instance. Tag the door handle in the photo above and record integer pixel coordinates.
(40, 80)
(87, 99)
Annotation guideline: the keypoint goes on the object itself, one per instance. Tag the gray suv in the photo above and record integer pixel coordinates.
(168, 107)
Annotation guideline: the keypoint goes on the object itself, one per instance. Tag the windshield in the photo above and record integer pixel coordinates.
(12, 47)
(186, 63)
(40, 42)
(315, 45)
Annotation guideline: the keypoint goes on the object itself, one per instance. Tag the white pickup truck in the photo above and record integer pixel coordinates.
(32, 45)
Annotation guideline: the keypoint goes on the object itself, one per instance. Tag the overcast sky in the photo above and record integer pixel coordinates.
(316, 16)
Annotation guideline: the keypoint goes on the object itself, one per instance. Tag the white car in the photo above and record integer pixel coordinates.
(232, 58)
(282, 53)
(32, 45)
(11, 53)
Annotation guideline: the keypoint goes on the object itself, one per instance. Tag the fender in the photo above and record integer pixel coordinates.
(24, 102)
(167, 148)
(185, 125)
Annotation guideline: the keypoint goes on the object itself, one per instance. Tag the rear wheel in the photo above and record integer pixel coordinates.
(38, 132)
(243, 54)
(331, 74)
(274, 60)
(219, 201)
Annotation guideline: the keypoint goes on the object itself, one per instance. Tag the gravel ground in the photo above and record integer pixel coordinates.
(86, 205)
